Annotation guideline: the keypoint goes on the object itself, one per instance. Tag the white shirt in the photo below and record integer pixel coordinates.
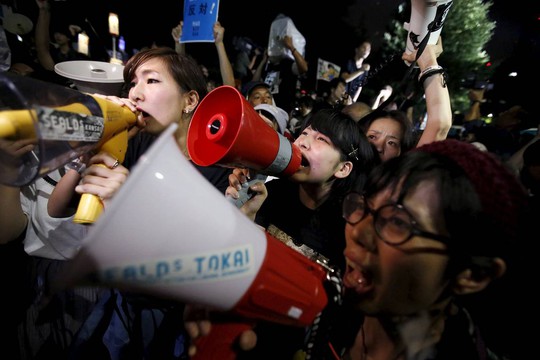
(48, 237)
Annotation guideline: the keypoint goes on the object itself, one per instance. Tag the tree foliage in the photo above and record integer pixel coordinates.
(465, 34)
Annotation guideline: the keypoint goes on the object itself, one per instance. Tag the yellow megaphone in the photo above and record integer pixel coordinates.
(61, 124)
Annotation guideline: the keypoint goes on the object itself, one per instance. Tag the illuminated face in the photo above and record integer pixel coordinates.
(386, 134)
(260, 95)
(363, 50)
(157, 96)
(321, 159)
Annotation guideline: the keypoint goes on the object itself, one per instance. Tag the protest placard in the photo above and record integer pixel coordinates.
(199, 19)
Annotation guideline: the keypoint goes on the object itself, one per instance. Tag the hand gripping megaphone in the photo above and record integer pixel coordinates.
(226, 130)
(61, 124)
(169, 233)
(426, 22)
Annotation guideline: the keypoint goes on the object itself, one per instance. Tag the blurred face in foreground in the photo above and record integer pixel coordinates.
(397, 279)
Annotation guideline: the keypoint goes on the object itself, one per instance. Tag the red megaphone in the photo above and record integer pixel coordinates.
(226, 130)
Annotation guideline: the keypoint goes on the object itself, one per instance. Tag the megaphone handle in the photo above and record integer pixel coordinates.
(221, 342)
(89, 209)
(90, 206)
(245, 193)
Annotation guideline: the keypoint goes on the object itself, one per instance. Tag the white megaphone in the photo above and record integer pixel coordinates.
(427, 19)
(169, 233)
(93, 76)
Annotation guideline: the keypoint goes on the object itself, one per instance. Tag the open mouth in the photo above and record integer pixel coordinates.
(304, 162)
(360, 280)
(143, 113)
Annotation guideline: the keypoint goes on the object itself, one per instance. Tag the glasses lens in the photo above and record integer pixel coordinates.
(393, 224)
(353, 208)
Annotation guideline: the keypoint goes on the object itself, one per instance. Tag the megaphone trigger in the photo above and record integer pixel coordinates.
(246, 193)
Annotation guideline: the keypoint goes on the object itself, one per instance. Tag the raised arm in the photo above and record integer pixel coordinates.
(176, 34)
(42, 35)
(383, 95)
(257, 75)
(476, 96)
(432, 77)
(225, 67)
(301, 63)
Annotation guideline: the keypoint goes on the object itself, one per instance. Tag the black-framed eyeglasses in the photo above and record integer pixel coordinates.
(393, 223)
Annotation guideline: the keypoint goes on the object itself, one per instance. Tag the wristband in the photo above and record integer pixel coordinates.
(430, 71)
(76, 165)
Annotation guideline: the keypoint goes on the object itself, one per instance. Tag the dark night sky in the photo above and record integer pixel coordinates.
(327, 35)
(323, 27)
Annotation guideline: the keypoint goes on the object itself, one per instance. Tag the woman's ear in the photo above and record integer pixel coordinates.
(192, 100)
(344, 170)
(479, 275)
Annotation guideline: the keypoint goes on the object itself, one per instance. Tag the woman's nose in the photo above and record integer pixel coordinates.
(302, 142)
(364, 234)
(135, 93)
(378, 143)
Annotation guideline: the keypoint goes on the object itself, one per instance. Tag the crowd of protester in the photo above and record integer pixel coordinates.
(425, 218)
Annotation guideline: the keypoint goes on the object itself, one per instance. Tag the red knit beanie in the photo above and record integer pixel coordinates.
(502, 196)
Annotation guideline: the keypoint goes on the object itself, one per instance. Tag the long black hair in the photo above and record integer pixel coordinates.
(351, 142)
(410, 138)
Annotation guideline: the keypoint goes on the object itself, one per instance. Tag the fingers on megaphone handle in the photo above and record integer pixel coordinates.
(240, 196)
(104, 159)
(91, 205)
(246, 193)
(224, 341)
(216, 335)
(240, 176)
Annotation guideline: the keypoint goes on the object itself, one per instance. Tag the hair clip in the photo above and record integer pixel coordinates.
(354, 153)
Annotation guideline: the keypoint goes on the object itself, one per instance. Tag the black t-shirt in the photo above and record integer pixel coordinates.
(322, 229)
